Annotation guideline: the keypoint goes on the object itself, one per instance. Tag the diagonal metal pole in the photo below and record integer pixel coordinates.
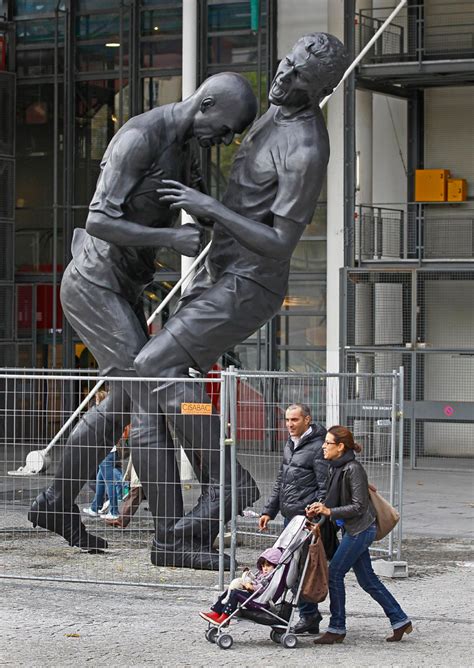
(366, 48)
(203, 254)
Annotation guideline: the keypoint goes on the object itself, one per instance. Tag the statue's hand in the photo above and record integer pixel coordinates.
(179, 196)
(188, 239)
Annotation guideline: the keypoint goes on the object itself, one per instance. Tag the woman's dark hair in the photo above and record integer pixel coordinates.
(344, 435)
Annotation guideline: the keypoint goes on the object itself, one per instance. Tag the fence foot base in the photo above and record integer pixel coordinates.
(390, 569)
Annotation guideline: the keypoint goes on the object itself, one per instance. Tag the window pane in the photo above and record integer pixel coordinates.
(99, 57)
(301, 361)
(305, 330)
(161, 90)
(166, 21)
(98, 116)
(228, 15)
(34, 145)
(38, 31)
(309, 256)
(37, 62)
(305, 296)
(22, 7)
(318, 225)
(104, 27)
(162, 53)
(233, 49)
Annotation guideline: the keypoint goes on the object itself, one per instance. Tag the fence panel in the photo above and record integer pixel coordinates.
(239, 413)
(369, 404)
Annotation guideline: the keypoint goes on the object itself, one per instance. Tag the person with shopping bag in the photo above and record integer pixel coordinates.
(347, 503)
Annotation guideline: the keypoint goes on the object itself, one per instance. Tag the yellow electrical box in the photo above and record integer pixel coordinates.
(457, 190)
(431, 185)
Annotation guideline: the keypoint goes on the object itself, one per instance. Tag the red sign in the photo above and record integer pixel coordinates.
(448, 411)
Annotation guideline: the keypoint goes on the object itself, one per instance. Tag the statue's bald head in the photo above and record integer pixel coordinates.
(224, 105)
(232, 94)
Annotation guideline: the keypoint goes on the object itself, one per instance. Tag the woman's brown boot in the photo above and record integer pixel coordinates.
(398, 633)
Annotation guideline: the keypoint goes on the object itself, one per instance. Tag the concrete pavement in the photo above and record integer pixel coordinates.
(60, 624)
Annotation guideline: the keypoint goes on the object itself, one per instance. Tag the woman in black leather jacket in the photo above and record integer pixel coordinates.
(347, 503)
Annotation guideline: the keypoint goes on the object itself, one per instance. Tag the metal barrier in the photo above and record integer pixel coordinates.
(371, 405)
(420, 32)
(247, 418)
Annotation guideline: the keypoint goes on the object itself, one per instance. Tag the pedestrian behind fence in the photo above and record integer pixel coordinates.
(109, 482)
(131, 500)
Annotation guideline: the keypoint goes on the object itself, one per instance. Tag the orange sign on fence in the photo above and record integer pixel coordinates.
(196, 409)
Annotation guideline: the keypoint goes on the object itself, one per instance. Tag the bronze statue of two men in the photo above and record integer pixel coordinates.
(148, 173)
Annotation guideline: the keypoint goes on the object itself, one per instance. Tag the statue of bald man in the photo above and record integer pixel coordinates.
(101, 292)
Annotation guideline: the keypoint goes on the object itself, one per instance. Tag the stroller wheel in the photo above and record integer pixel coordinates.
(289, 640)
(275, 636)
(225, 641)
(211, 634)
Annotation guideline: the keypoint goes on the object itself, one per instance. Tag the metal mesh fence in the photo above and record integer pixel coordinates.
(6, 251)
(7, 113)
(6, 188)
(369, 404)
(422, 320)
(6, 311)
(445, 313)
(383, 234)
(234, 422)
(436, 30)
(379, 308)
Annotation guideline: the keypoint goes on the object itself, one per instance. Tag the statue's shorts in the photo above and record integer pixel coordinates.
(213, 317)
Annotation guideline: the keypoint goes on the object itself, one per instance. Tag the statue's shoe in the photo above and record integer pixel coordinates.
(66, 523)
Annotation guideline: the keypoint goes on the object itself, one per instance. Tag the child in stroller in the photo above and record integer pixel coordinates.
(242, 588)
(273, 600)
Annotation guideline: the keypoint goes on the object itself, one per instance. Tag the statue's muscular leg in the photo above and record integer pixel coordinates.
(163, 357)
(92, 438)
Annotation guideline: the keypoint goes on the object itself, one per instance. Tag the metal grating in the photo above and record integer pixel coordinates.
(444, 445)
(427, 31)
(7, 189)
(378, 308)
(6, 251)
(7, 354)
(445, 309)
(7, 114)
(6, 312)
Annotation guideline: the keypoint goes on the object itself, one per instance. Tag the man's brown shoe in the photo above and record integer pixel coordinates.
(330, 638)
(398, 633)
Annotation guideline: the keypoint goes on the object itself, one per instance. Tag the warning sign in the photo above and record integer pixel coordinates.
(196, 409)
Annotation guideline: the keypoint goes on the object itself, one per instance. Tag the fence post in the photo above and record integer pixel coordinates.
(393, 436)
(232, 381)
(222, 441)
(401, 385)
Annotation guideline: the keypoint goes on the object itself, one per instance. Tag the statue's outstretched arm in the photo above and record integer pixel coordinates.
(185, 239)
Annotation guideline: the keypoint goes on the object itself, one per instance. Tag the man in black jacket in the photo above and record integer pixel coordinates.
(302, 478)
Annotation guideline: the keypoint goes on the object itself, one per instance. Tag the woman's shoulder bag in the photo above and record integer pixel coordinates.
(386, 515)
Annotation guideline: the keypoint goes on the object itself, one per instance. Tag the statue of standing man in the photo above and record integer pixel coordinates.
(272, 193)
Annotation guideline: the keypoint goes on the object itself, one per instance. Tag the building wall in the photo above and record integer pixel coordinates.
(312, 16)
(449, 132)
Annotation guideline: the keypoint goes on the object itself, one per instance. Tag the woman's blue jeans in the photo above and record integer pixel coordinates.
(109, 481)
(353, 552)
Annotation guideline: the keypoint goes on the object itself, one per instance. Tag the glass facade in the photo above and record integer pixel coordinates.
(83, 68)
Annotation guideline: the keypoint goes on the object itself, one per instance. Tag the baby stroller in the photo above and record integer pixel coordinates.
(274, 604)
